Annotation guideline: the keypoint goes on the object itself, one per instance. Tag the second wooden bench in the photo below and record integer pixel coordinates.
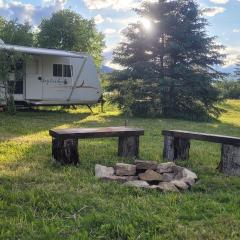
(177, 145)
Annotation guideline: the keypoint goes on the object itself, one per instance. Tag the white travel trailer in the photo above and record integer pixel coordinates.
(55, 77)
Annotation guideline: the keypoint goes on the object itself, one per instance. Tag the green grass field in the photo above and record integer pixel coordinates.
(40, 199)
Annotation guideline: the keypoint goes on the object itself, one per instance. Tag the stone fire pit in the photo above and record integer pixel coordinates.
(165, 177)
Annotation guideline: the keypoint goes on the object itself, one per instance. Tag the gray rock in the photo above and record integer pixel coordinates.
(183, 173)
(103, 171)
(178, 171)
(167, 187)
(137, 183)
(168, 177)
(189, 181)
(180, 184)
(189, 174)
(123, 169)
(165, 167)
(119, 179)
(144, 165)
(150, 176)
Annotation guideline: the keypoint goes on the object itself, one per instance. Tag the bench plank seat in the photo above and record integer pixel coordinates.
(177, 145)
(65, 141)
(80, 133)
(203, 137)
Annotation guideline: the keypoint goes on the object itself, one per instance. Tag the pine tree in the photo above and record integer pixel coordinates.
(170, 66)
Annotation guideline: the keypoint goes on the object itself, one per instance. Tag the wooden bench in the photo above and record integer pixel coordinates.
(65, 141)
(177, 145)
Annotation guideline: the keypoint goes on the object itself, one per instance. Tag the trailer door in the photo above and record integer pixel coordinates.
(34, 84)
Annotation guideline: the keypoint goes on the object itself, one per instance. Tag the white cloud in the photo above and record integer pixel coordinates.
(2, 4)
(109, 49)
(236, 30)
(212, 11)
(125, 21)
(114, 4)
(29, 12)
(232, 54)
(54, 2)
(24, 12)
(108, 19)
(113, 65)
(98, 19)
(110, 31)
(219, 1)
(47, 9)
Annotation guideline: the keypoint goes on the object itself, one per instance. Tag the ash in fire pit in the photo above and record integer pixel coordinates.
(165, 177)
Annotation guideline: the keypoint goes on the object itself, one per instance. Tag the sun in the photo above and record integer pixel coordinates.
(146, 24)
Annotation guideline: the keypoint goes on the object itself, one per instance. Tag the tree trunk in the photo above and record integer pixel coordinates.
(65, 151)
(176, 148)
(128, 146)
(230, 160)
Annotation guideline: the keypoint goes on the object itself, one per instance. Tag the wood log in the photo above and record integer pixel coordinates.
(65, 151)
(168, 149)
(128, 146)
(175, 148)
(181, 148)
(230, 160)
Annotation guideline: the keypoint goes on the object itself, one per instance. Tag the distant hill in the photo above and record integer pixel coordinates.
(106, 69)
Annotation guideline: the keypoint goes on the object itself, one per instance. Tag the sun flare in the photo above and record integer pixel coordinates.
(146, 23)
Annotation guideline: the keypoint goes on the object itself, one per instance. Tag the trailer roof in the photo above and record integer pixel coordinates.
(43, 51)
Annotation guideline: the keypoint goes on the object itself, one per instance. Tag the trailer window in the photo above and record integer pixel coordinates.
(67, 70)
(57, 70)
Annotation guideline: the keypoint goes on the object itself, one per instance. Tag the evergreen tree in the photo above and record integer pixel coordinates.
(170, 65)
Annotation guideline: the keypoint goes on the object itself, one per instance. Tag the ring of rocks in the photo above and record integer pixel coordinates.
(165, 177)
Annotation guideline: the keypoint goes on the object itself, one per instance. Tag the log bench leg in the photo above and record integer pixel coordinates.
(128, 146)
(181, 148)
(65, 151)
(176, 148)
(168, 149)
(230, 160)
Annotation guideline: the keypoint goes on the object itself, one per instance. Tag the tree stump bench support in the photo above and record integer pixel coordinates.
(128, 146)
(65, 141)
(65, 151)
(177, 146)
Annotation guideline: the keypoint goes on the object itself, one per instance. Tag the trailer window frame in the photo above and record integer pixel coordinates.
(57, 70)
(67, 70)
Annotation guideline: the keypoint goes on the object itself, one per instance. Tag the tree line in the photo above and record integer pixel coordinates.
(64, 30)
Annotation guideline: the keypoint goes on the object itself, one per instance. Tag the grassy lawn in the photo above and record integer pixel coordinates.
(40, 199)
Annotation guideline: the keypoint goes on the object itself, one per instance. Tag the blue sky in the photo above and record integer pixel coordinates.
(111, 16)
